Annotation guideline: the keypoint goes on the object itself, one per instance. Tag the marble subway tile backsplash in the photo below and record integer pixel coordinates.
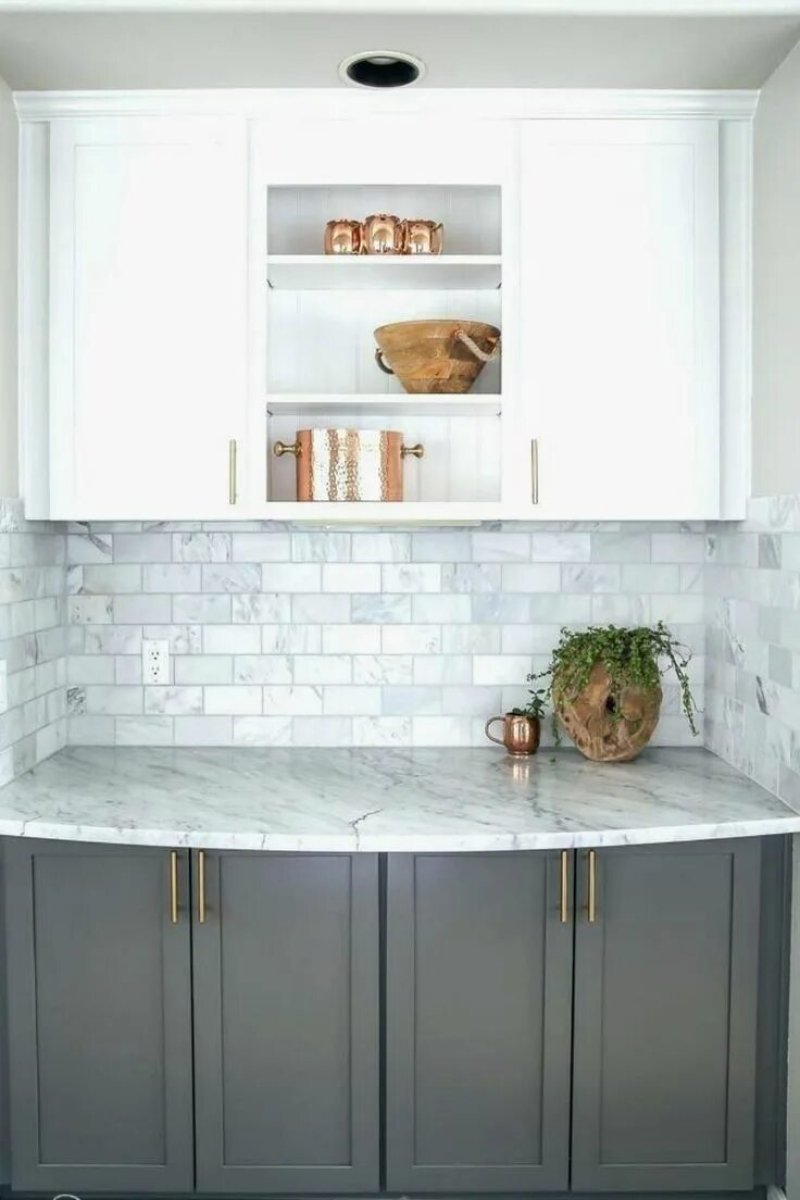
(289, 636)
(32, 641)
(751, 581)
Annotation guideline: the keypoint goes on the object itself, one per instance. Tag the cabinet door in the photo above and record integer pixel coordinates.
(99, 1019)
(148, 306)
(620, 318)
(665, 1020)
(479, 990)
(286, 971)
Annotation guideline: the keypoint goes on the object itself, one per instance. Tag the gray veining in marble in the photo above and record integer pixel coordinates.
(384, 800)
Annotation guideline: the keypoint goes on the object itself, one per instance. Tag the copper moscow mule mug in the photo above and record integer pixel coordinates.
(423, 237)
(343, 237)
(383, 234)
(520, 733)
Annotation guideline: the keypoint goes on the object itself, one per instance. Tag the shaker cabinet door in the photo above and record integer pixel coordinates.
(148, 316)
(666, 982)
(99, 1019)
(478, 1023)
(286, 1007)
(620, 317)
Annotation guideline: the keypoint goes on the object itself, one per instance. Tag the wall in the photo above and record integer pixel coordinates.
(352, 637)
(776, 334)
(8, 294)
(32, 641)
(752, 584)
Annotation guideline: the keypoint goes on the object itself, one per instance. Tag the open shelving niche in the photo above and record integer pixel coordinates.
(321, 312)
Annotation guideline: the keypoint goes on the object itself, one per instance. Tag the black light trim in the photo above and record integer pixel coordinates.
(382, 69)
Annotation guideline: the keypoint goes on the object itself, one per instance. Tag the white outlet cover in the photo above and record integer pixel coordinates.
(155, 661)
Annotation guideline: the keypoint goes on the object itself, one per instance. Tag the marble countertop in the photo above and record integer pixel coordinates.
(384, 800)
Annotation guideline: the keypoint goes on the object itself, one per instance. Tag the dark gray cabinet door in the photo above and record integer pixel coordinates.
(665, 1019)
(287, 1013)
(99, 1019)
(478, 1017)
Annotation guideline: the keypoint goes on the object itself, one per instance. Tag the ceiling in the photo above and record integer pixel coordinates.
(119, 49)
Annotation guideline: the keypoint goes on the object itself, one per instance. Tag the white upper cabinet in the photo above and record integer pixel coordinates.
(620, 317)
(148, 306)
(180, 323)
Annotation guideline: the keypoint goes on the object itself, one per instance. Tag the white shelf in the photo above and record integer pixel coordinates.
(443, 272)
(470, 405)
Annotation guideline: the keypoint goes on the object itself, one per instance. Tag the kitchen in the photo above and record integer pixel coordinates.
(279, 918)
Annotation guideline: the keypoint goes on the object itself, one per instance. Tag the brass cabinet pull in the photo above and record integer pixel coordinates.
(232, 491)
(173, 887)
(564, 886)
(535, 470)
(592, 906)
(201, 886)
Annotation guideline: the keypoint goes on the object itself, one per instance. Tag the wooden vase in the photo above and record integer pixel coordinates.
(607, 728)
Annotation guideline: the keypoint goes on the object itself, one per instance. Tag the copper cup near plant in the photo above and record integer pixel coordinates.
(343, 236)
(521, 733)
(383, 233)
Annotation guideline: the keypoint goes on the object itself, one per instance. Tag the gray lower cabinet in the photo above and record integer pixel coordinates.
(99, 1011)
(666, 985)
(286, 1007)
(478, 1023)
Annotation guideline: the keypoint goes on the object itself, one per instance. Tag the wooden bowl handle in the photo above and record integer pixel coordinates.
(379, 360)
(475, 349)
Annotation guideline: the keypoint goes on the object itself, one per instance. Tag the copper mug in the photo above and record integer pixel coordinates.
(521, 733)
(383, 234)
(343, 237)
(422, 237)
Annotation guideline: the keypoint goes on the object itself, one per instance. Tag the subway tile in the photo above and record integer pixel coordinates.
(351, 700)
(201, 610)
(231, 577)
(351, 577)
(141, 610)
(198, 547)
(203, 731)
(412, 577)
(291, 639)
(326, 546)
(535, 577)
(243, 700)
(383, 668)
(261, 609)
(117, 700)
(262, 668)
(382, 731)
(411, 639)
(143, 731)
(351, 639)
(261, 547)
(193, 669)
(381, 547)
(321, 669)
(294, 700)
(291, 577)
(441, 609)
(381, 609)
(490, 546)
(231, 639)
(173, 701)
(142, 548)
(262, 731)
(322, 731)
(170, 577)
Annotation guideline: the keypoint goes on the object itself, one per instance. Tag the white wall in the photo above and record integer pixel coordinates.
(776, 344)
(8, 295)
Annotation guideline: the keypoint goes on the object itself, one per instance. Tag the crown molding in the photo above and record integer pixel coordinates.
(492, 103)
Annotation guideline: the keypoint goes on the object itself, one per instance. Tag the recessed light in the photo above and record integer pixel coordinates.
(381, 69)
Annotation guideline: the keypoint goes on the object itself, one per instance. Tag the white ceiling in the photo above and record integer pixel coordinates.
(84, 50)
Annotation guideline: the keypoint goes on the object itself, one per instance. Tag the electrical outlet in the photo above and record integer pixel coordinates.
(155, 662)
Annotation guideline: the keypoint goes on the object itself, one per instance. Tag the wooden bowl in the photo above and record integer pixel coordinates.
(436, 356)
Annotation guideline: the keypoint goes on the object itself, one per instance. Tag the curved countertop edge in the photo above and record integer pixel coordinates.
(412, 843)
(384, 801)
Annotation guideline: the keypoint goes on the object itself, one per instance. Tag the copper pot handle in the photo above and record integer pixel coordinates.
(490, 736)
(475, 349)
(379, 360)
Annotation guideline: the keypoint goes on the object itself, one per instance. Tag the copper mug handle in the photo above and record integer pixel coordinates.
(490, 736)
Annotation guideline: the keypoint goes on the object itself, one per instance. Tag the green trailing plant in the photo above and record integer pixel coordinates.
(631, 656)
(536, 703)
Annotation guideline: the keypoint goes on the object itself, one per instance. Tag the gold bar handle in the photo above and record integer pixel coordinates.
(281, 448)
(534, 470)
(173, 887)
(201, 886)
(564, 886)
(592, 906)
(232, 454)
(417, 451)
